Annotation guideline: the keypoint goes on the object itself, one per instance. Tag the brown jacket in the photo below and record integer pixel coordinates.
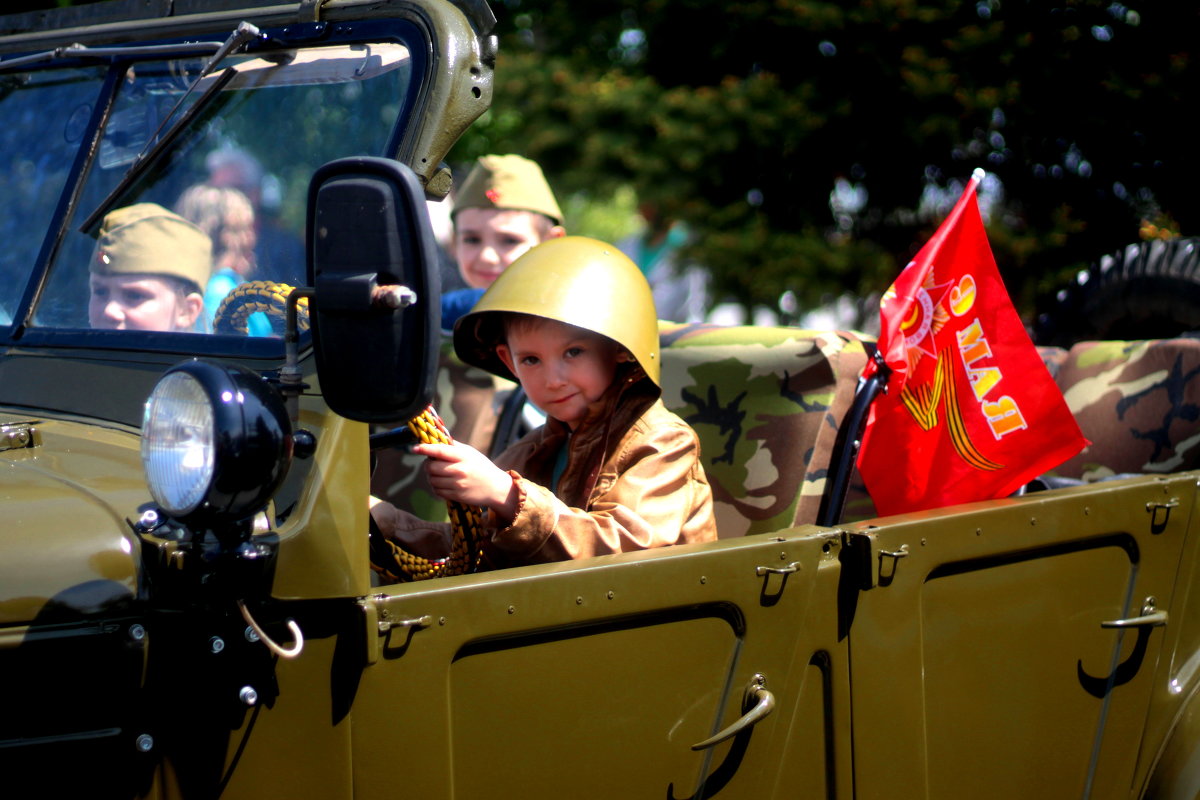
(632, 481)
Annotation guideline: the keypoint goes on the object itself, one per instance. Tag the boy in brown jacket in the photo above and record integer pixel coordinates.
(612, 470)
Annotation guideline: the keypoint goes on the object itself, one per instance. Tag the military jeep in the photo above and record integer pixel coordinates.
(196, 616)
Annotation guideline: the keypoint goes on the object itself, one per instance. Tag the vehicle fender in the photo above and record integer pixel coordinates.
(1176, 770)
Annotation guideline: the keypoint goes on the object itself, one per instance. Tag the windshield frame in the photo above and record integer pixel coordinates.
(393, 30)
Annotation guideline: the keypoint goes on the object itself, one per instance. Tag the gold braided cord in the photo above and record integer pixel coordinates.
(395, 563)
(250, 297)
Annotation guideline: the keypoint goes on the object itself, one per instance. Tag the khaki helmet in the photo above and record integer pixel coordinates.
(572, 279)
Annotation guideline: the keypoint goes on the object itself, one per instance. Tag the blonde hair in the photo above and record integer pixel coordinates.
(227, 216)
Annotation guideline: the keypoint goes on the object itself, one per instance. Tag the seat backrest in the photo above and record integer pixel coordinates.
(1137, 402)
(767, 404)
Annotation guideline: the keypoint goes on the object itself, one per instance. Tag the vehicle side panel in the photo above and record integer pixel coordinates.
(979, 663)
(593, 679)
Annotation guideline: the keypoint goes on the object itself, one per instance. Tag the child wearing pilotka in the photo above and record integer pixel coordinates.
(612, 470)
(504, 208)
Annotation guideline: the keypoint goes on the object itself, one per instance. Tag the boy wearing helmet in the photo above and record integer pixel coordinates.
(612, 470)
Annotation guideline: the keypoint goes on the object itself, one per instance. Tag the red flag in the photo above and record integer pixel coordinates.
(971, 412)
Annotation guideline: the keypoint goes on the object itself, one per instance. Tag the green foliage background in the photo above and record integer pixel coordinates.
(740, 117)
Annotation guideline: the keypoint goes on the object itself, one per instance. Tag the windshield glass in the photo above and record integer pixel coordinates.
(43, 118)
(224, 201)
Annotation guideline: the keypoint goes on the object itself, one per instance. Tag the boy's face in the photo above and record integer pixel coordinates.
(562, 368)
(487, 240)
(132, 301)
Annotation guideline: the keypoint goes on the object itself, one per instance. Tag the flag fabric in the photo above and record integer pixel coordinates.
(970, 411)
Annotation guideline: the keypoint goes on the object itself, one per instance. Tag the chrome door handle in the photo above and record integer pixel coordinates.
(1152, 620)
(788, 570)
(764, 704)
(1151, 617)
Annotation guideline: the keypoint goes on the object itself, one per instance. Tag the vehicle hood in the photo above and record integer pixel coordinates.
(66, 551)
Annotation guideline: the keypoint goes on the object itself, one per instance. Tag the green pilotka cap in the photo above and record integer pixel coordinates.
(509, 183)
(146, 238)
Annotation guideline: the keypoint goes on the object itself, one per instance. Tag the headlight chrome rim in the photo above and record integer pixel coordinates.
(178, 443)
(216, 441)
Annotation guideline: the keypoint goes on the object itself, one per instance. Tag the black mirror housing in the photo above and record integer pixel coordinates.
(376, 313)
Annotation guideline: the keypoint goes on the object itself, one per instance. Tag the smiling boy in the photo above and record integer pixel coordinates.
(612, 470)
(504, 208)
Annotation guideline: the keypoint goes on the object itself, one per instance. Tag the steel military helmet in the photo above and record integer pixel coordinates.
(572, 279)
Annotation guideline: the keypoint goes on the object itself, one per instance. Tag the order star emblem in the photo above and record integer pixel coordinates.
(925, 318)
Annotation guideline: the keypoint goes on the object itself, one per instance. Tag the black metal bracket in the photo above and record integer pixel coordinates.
(849, 439)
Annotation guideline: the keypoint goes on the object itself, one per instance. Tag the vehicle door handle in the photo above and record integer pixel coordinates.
(764, 703)
(1151, 620)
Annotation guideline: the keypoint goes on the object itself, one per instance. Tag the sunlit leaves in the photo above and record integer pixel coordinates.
(741, 118)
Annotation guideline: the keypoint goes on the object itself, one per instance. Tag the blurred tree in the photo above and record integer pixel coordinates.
(813, 146)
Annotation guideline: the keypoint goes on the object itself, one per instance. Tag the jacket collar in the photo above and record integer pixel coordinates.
(593, 442)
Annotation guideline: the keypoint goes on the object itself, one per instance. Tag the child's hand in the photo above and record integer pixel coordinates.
(425, 539)
(461, 473)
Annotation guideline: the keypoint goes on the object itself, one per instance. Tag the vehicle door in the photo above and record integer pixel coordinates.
(596, 678)
(1009, 650)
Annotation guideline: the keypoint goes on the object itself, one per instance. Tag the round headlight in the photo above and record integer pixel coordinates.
(216, 441)
(178, 443)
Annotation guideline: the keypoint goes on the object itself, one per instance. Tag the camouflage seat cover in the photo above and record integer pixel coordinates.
(1137, 402)
(1053, 358)
(766, 403)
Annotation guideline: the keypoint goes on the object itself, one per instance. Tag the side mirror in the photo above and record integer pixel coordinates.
(376, 311)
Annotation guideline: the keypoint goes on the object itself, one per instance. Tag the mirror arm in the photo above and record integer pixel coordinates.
(392, 297)
(290, 383)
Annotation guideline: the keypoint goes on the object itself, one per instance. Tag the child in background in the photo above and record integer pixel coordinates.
(148, 271)
(504, 208)
(227, 216)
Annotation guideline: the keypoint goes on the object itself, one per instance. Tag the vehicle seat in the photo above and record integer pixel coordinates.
(1138, 402)
(766, 403)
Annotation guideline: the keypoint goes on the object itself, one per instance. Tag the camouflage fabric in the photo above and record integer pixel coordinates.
(467, 399)
(1053, 358)
(766, 403)
(1137, 402)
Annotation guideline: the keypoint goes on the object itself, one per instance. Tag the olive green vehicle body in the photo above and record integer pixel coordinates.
(952, 653)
